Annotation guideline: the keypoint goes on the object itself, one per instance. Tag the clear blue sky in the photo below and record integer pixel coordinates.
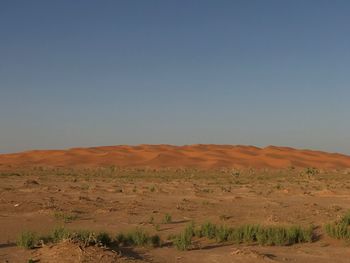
(86, 73)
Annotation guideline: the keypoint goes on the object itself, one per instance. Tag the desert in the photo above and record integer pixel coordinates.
(159, 191)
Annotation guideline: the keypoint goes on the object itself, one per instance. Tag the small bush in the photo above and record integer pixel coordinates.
(103, 238)
(235, 236)
(222, 233)
(207, 230)
(184, 240)
(249, 232)
(27, 240)
(339, 229)
(59, 234)
(274, 236)
(190, 229)
(224, 217)
(84, 237)
(171, 237)
(151, 220)
(312, 171)
(67, 218)
(346, 218)
(167, 219)
(138, 237)
(245, 233)
(155, 241)
(121, 239)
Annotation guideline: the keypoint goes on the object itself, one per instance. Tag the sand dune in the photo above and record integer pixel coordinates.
(168, 156)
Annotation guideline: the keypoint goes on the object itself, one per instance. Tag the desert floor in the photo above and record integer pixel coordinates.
(115, 200)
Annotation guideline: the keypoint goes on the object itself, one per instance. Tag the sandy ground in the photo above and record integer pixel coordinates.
(114, 200)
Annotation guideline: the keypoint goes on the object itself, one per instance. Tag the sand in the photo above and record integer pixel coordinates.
(169, 156)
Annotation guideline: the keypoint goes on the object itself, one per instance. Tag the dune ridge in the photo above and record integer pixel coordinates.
(202, 156)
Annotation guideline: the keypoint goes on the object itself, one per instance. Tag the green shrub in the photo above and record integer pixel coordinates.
(305, 235)
(222, 233)
(157, 227)
(272, 236)
(138, 237)
(190, 229)
(151, 220)
(155, 241)
(208, 230)
(27, 240)
(312, 171)
(339, 229)
(67, 218)
(283, 236)
(250, 233)
(235, 235)
(103, 238)
(184, 240)
(167, 219)
(346, 218)
(59, 234)
(245, 233)
(121, 239)
(84, 237)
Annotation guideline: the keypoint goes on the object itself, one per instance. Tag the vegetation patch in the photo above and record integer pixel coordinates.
(339, 229)
(167, 219)
(83, 237)
(248, 233)
(66, 217)
(58, 234)
(138, 237)
(104, 239)
(27, 240)
(183, 241)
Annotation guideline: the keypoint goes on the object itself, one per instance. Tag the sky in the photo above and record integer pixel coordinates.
(90, 73)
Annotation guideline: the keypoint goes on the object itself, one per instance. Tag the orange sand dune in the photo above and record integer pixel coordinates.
(168, 156)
